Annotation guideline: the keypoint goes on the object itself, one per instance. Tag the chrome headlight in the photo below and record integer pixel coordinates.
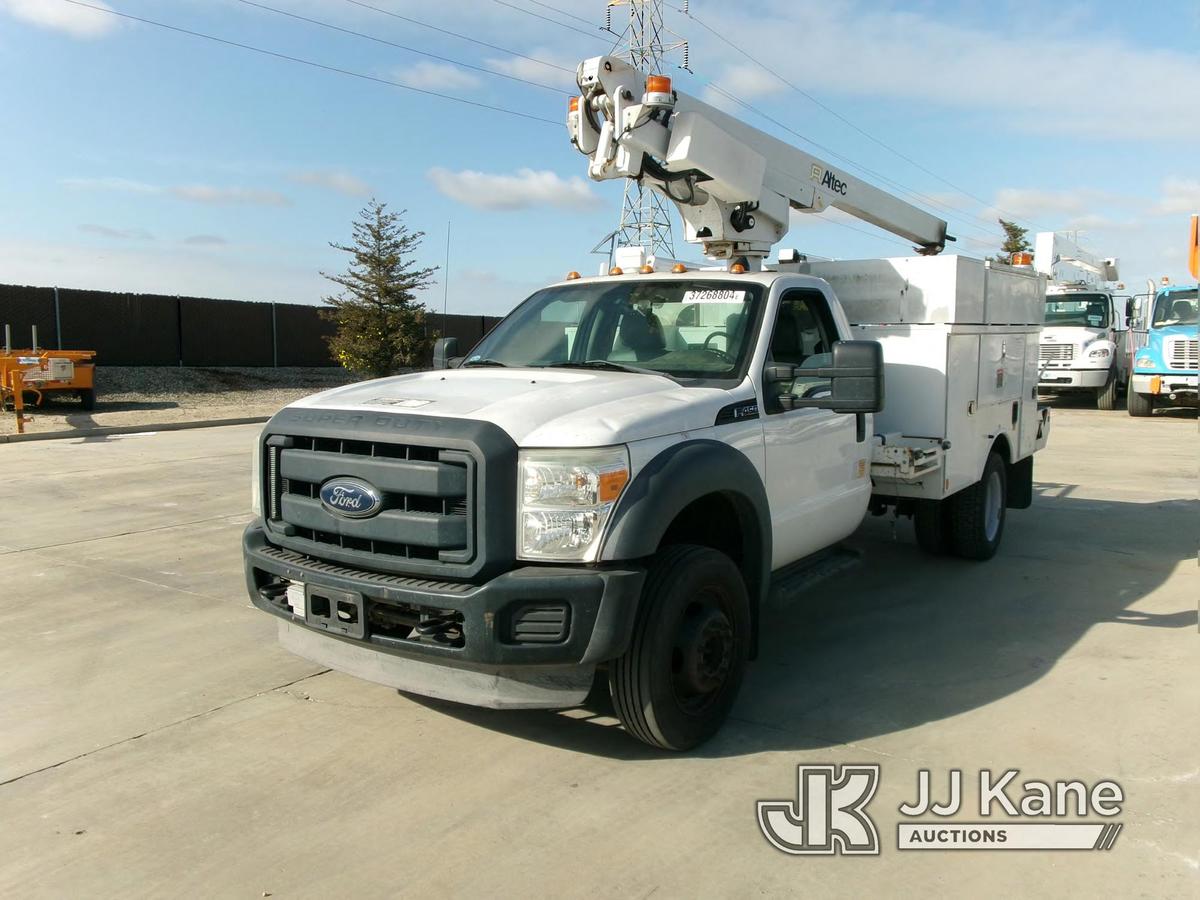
(566, 498)
(1145, 362)
(1099, 353)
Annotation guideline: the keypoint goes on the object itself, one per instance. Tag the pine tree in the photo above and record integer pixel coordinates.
(1014, 241)
(380, 323)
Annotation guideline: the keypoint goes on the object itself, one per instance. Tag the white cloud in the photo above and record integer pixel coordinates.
(123, 234)
(111, 184)
(204, 193)
(436, 76)
(1180, 196)
(1048, 80)
(524, 189)
(745, 80)
(555, 70)
(196, 193)
(77, 21)
(341, 182)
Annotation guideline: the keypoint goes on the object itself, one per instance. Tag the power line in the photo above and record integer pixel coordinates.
(561, 12)
(464, 37)
(379, 40)
(311, 63)
(833, 112)
(537, 15)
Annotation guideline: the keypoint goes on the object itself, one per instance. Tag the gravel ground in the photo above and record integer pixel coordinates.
(129, 395)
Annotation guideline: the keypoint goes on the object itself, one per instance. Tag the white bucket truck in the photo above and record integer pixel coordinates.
(1084, 344)
(612, 481)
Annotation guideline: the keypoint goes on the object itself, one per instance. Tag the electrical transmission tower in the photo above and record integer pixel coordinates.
(645, 43)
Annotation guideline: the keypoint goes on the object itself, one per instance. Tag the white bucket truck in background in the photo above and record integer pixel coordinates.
(612, 481)
(1085, 342)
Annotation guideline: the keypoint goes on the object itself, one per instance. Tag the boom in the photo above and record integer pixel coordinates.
(732, 183)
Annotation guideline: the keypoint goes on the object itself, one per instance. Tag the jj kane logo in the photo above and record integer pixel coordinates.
(829, 814)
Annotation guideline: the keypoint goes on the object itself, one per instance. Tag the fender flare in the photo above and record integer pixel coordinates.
(679, 476)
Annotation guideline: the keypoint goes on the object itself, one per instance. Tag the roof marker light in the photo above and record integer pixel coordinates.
(616, 270)
(737, 269)
(571, 276)
(679, 268)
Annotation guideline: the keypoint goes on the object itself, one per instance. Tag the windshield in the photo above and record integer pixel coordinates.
(1175, 308)
(682, 328)
(1087, 310)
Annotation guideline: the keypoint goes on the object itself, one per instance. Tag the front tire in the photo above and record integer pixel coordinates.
(976, 514)
(675, 685)
(1106, 397)
(87, 399)
(1139, 405)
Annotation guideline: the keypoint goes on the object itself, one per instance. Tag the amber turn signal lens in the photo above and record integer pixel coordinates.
(573, 104)
(611, 484)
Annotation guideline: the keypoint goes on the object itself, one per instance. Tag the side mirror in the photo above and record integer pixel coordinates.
(444, 349)
(855, 379)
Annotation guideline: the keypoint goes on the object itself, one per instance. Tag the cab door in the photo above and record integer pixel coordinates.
(817, 474)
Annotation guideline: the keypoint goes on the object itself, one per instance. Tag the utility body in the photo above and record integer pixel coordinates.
(1085, 343)
(613, 480)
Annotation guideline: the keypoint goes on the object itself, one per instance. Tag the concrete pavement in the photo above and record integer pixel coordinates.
(156, 741)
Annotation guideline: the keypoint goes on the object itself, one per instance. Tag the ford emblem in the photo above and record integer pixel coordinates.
(351, 498)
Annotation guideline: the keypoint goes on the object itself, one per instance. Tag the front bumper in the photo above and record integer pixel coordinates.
(1072, 379)
(491, 663)
(1167, 382)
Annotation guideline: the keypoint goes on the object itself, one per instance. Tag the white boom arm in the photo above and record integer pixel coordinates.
(1062, 259)
(733, 184)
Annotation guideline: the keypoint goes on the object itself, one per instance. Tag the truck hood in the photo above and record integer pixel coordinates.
(1071, 334)
(541, 407)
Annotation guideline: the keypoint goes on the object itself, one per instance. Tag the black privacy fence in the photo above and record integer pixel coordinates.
(161, 330)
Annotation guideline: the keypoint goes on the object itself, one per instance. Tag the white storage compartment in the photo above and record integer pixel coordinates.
(959, 340)
(934, 290)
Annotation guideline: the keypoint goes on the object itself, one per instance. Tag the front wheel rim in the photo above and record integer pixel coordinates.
(703, 653)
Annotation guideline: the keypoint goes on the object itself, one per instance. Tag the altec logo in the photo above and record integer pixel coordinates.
(829, 815)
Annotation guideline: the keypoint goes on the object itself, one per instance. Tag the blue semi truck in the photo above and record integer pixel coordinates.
(1165, 350)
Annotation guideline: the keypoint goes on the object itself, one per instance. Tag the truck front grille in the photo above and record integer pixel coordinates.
(1056, 352)
(1182, 353)
(426, 516)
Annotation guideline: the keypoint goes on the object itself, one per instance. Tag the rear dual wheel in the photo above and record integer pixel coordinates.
(968, 524)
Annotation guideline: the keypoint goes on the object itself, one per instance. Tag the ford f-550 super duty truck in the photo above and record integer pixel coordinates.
(610, 481)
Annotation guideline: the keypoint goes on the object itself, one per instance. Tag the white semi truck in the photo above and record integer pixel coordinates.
(1084, 347)
(613, 480)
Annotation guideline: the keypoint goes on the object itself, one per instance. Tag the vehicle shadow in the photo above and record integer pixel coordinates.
(908, 639)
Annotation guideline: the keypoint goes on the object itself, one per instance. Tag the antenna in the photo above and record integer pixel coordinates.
(645, 44)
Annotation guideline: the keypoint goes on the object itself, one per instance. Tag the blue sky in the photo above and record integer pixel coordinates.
(139, 159)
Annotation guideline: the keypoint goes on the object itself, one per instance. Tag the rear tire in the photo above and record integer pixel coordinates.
(931, 527)
(976, 514)
(1139, 405)
(87, 399)
(675, 685)
(1106, 397)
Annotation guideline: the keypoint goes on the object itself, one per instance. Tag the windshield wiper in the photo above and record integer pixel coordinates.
(609, 366)
(483, 362)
